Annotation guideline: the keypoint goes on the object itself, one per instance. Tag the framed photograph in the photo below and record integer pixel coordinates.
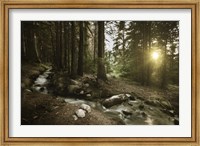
(105, 72)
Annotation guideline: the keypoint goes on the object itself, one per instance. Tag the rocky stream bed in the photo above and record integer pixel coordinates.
(55, 99)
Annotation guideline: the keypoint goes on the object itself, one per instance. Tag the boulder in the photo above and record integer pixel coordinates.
(80, 113)
(114, 100)
(73, 89)
(86, 107)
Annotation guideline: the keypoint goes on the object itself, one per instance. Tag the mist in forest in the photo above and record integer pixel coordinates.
(118, 72)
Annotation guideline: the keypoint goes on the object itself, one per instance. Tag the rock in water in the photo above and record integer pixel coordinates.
(127, 113)
(141, 106)
(114, 100)
(86, 107)
(128, 95)
(80, 113)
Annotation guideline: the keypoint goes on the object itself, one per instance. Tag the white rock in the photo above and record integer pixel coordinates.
(74, 82)
(86, 85)
(75, 117)
(88, 95)
(28, 90)
(122, 96)
(86, 107)
(128, 95)
(82, 92)
(80, 113)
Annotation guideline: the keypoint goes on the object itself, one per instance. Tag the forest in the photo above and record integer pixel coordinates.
(100, 72)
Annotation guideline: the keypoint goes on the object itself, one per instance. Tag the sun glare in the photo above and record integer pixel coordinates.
(155, 55)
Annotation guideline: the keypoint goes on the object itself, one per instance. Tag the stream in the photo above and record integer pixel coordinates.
(129, 111)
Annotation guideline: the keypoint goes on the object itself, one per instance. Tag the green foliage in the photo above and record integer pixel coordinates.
(130, 55)
(134, 61)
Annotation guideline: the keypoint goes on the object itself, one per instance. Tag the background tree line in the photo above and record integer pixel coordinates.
(79, 47)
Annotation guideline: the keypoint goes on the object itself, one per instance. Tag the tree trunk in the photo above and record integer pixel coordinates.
(164, 69)
(36, 47)
(31, 51)
(23, 43)
(123, 45)
(144, 53)
(66, 45)
(148, 75)
(101, 73)
(62, 59)
(95, 41)
(58, 45)
(53, 44)
(73, 59)
(81, 50)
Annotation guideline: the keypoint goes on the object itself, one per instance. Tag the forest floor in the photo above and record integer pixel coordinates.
(114, 102)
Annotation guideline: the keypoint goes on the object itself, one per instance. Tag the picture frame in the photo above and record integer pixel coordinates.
(6, 5)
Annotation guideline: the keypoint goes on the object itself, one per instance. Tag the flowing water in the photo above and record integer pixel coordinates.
(40, 84)
(128, 112)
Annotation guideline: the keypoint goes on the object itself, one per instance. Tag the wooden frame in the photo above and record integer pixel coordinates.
(7, 4)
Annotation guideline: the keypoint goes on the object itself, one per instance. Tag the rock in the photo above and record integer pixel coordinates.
(72, 89)
(149, 121)
(166, 104)
(82, 92)
(176, 121)
(127, 113)
(74, 82)
(152, 102)
(75, 117)
(80, 113)
(86, 107)
(88, 95)
(114, 100)
(150, 108)
(169, 112)
(135, 96)
(42, 89)
(35, 117)
(28, 90)
(131, 103)
(143, 114)
(141, 106)
(128, 95)
(86, 85)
